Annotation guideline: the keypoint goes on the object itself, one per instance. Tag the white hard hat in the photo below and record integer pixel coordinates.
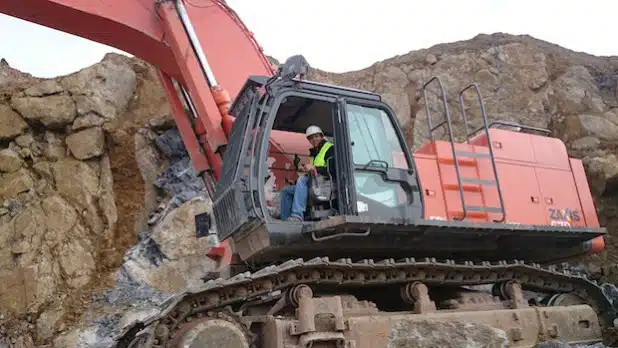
(311, 130)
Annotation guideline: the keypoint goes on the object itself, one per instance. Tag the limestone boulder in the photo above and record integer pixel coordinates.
(602, 173)
(78, 183)
(61, 218)
(10, 161)
(11, 124)
(88, 120)
(54, 112)
(14, 183)
(44, 241)
(44, 88)
(75, 256)
(587, 143)
(180, 251)
(513, 77)
(24, 265)
(176, 236)
(104, 89)
(24, 140)
(597, 125)
(151, 163)
(13, 80)
(69, 338)
(53, 146)
(87, 143)
(575, 92)
(48, 322)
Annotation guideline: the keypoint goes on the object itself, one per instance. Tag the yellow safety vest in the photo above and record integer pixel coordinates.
(318, 160)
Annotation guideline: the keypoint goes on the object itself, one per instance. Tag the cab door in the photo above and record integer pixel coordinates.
(384, 180)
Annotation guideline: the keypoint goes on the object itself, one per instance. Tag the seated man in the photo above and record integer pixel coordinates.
(294, 198)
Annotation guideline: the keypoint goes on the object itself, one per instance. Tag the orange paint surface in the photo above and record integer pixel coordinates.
(540, 184)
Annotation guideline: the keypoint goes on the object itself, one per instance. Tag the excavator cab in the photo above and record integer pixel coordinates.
(373, 170)
(374, 175)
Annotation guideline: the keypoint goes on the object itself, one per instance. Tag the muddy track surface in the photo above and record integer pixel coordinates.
(158, 330)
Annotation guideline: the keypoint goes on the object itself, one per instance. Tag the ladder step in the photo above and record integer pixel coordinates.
(471, 154)
(467, 188)
(475, 212)
(469, 161)
(470, 184)
(469, 215)
(479, 181)
(461, 161)
(477, 208)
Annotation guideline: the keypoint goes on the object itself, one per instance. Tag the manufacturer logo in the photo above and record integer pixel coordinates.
(563, 217)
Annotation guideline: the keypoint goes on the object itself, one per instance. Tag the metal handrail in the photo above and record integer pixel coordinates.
(489, 144)
(450, 135)
(513, 124)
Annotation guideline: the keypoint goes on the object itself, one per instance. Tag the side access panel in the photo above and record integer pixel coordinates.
(518, 182)
(559, 197)
(470, 175)
(585, 196)
(521, 193)
(429, 179)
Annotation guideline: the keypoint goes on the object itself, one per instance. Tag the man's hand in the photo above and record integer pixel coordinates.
(308, 167)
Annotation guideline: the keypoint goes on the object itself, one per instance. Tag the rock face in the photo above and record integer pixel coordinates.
(521, 79)
(98, 197)
(59, 217)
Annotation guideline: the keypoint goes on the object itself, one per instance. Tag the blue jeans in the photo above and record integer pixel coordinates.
(294, 199)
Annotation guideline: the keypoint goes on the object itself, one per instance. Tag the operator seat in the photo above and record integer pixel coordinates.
(322, 200)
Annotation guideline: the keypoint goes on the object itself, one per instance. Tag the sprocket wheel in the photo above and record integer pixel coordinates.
(213, 330)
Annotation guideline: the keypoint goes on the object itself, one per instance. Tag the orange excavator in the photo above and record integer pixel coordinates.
(475, 231)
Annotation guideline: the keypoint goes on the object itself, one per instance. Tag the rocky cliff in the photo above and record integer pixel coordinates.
(97, 196)
(79, 165)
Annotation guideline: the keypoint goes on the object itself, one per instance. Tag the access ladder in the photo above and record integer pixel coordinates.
(466, 183)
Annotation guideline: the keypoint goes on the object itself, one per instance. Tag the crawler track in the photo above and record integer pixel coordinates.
(246, 287)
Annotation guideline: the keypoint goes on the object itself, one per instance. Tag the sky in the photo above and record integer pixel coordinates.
(346, 35)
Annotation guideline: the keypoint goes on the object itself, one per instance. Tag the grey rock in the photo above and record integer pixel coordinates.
(180, 181)
(171, 144)
(585, 143)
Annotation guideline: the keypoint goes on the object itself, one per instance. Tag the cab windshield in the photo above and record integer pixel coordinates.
(374, 141)
(375, 145)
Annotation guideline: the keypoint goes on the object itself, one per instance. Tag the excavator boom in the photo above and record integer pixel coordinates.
(172, 36)
(242, 122)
